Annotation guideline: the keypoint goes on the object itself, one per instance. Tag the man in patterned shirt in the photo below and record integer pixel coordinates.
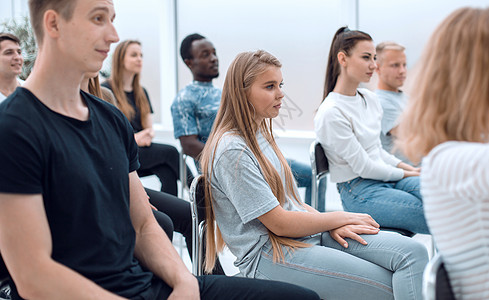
(195, 106)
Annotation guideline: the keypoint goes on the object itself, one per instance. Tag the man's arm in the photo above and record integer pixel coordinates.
(153, 248)
(191, 145)
(26, 246)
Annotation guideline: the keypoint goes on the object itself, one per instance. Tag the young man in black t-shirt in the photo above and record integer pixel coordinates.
(74, 218)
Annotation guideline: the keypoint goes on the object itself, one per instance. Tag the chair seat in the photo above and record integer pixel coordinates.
(399, 230)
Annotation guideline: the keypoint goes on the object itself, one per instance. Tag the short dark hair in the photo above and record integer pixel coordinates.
(9, 37)
(186, 45)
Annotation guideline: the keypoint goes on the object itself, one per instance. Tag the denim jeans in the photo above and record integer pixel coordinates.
(303, 175)
(396, 204)
(389, 266)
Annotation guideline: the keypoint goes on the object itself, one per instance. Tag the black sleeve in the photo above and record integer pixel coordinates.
(149, 101)
(21, 161)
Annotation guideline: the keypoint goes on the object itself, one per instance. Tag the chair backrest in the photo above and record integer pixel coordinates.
(319, 167)
(436, 284)
(197, 208)
(322, 165)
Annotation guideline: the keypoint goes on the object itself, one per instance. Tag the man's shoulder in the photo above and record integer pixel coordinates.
(195, 91)
(389, 99)
(21, 103)
(388, 95)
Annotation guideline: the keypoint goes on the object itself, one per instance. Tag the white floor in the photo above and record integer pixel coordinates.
(227, 257)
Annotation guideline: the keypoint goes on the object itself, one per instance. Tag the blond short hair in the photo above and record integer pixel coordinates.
(387, 46)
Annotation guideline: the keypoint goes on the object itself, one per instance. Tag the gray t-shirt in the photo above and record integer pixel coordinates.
(393, 104)
(241, 195)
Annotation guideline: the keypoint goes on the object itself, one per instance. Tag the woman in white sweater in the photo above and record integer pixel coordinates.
(449, 126)
(347, 125)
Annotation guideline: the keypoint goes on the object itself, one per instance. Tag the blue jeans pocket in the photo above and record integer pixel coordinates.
(349, 186)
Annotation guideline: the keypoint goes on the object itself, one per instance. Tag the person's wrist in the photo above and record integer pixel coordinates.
(185, 278)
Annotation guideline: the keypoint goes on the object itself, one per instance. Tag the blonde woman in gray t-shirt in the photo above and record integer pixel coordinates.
(255, 210)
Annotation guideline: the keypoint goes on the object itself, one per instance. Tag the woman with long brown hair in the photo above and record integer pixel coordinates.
(253, 206)
(133, 100)
(447, 123)
(348, 124)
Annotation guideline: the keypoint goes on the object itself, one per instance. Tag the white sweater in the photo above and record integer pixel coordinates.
(455, 189)
(348, 128)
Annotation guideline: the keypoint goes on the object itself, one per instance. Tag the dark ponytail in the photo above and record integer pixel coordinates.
(343, 41)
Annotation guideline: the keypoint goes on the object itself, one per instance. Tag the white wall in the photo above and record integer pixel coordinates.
(297, 32)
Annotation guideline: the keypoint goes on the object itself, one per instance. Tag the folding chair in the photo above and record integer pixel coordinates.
(320, 168)
(436, 284)
(197, 199)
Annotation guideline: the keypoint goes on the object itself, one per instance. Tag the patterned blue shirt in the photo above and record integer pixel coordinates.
(194, 110)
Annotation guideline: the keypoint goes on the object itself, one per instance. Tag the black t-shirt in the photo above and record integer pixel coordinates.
(81, 169)
(136, 120)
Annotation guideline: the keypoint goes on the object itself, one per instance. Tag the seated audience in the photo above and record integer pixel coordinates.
(348, 124)
(252, 196)
(11, 62)
(195, 107)
(133, 100)
(447, 126)
(74, 218)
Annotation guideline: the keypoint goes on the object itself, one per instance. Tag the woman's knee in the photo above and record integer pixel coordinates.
(414, 253)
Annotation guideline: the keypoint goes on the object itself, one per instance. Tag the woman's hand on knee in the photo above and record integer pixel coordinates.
(361, 219)
(353, 232)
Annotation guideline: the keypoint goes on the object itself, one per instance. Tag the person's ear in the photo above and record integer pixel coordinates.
(51, 23)
(377, 68)
(342, 58)
(188, 62)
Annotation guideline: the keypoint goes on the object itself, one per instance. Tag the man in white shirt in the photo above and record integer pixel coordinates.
(11, 62)
(391, 70)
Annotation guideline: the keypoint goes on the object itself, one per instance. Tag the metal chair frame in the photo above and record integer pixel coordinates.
(436, 284)
(198, 228)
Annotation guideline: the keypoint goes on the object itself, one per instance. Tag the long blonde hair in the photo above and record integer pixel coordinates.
(236, 114)
(117, 84)
(451, 99)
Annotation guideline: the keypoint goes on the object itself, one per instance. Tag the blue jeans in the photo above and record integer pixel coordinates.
(303, 175)
(389, 266)
(396, 204)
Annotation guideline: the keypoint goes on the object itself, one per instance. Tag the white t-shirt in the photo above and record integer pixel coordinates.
(455, 189)
(3, 97)
(348, 128)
